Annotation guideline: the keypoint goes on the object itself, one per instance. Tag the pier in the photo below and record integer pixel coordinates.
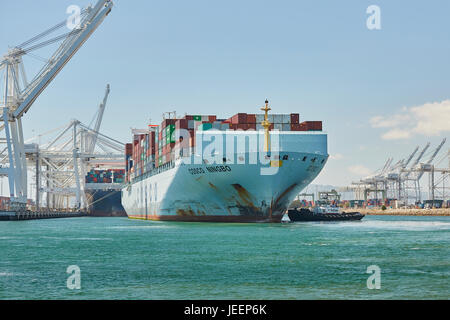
(34, 215)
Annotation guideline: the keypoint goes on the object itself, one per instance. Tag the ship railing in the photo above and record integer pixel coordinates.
(162, 168)
(179, 154)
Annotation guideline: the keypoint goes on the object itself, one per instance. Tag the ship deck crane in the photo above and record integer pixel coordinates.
(19, 94)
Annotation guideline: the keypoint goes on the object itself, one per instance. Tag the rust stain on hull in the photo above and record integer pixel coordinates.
(213, 186)
(244, 195)
(183, 213)
(274, 206)
(224, 218)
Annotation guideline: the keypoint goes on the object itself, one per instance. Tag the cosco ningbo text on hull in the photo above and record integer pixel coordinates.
(247, 168)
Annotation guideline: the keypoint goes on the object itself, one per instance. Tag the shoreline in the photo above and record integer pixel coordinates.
(444, 212)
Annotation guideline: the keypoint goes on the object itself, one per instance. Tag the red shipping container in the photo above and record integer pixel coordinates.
(251, 118)
(181, 124)
(252, 126)
(295, 118)
(318, 125)
(239, 118)
(189, 117)
(297, 127)
(129, 149)
(242, 126)
(312, 125)
(304, 126)
(166, 122)
(212, 118)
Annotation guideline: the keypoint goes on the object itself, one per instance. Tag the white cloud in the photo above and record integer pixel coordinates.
(336, 156)
(395, 134)
(391, 121)
(432, 118)
(429, 119)
(359, 170)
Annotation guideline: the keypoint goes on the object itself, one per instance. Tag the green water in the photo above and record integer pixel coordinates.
(129, 259)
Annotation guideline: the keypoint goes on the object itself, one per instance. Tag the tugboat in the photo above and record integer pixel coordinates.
(322, 213)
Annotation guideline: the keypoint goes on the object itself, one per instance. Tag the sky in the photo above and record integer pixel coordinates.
(380, 92)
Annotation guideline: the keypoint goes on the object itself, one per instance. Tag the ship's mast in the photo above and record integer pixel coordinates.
(266, 125)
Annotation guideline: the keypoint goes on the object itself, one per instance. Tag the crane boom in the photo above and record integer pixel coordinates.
(98, 122)
(410, 157)
(18, 101)
(417, 159)
(63, 54)
(432, 156)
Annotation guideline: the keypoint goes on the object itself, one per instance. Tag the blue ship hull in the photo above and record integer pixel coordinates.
(105, 203)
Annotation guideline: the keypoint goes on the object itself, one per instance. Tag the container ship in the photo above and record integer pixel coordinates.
(103, 192)
(247, 168)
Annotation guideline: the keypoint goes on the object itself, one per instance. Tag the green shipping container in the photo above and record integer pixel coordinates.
(170, 130)
(197, 118)
(205, 126)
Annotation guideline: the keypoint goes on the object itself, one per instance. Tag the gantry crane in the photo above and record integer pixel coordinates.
(403, 176)
(425, 167)
(19, 94)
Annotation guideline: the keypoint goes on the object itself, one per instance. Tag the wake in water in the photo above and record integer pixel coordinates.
(391, 225)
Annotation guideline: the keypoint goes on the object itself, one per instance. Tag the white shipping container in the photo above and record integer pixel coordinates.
(259, 126)
(277, 118)
(205, 118)
(259, 118)
(278, 126)
(286, 127)
(286, 118)
(224, 126)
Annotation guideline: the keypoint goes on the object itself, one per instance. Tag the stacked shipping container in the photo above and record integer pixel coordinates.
(155, 147)
(106, 176)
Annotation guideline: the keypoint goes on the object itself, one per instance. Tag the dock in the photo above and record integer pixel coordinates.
(406, 212)
(34, 215)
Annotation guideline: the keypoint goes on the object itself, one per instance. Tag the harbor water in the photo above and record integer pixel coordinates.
(119, 258)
